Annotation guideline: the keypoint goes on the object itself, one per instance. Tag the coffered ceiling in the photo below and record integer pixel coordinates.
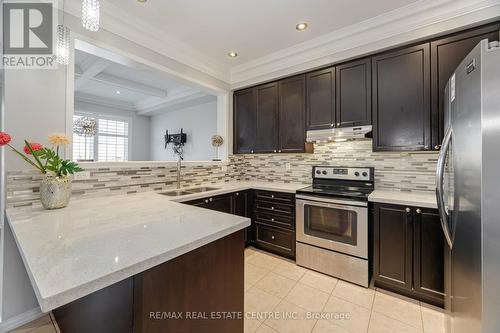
(262, 32)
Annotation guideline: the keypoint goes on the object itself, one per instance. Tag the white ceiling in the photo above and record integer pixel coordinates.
(253, 28)
(106, 83)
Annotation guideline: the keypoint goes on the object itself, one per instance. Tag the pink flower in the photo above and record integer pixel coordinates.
(4, 138)
(34, 146)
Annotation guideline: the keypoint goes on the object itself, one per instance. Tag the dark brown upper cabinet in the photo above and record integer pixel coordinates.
(292, 114)
(321, 99)
(401, 99)
(354, 93)
(267, 118)
(446, 55)
(245, 121)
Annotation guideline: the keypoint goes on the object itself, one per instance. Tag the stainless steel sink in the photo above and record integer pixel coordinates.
(178, 193)
(202, 189)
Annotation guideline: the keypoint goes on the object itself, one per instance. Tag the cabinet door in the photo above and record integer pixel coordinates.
(267, 118)
(198, 203)
(245, 121)
(428, 256)
(292, 115)
(401, 99)
(393, 247)
(242, 206)
(222, 203)
(321, 99)
(354, 93)
(446, 55)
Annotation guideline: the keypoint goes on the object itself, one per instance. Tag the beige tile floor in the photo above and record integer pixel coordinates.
(281, 297)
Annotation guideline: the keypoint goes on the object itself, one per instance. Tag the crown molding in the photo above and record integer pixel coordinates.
(126, 25)
(416, 21)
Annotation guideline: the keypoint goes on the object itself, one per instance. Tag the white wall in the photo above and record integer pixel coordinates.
(199, 123)
(139, 136)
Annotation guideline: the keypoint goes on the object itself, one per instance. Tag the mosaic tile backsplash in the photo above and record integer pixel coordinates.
(397, 171)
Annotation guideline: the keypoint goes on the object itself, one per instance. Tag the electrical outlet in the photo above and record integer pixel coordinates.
(288, 167)
(83, 175)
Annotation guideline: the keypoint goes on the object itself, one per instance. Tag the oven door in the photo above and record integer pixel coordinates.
(338, 225)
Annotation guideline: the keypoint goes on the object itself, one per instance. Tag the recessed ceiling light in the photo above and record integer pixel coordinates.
(118, 92)
(301, 26)
(232, 54)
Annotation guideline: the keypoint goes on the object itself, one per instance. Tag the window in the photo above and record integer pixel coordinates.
(109, 144)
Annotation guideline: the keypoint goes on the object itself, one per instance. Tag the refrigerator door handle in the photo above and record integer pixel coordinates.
(439, 186)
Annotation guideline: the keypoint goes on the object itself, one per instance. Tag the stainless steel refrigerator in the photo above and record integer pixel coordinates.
(468, 192)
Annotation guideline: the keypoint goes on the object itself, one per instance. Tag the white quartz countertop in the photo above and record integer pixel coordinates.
(94, 243)
(415, 199)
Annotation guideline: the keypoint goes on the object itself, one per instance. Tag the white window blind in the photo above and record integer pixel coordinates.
(109, 144)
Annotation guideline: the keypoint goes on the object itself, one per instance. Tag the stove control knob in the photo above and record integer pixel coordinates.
(356, 174)
(318, 172)
(324, 172)
(365, 174)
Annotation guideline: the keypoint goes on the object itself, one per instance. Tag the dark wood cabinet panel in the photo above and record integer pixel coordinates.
(245, 121)
(401, 99)
(243, 207)
(409, 248)
(292, 115)
(276, 240)
(393, 246)
(221, 203)
(428, 256)
(321, 99)
(354, 93)
(446, 55)
(267, 118)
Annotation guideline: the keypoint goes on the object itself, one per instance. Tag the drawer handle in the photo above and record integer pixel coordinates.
(408, 210)
(272, 208)
(272, 220)
(418, 211)
(272, 196)
(272, 237)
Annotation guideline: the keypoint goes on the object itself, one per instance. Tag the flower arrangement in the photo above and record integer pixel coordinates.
(46, 160)
(55, 188)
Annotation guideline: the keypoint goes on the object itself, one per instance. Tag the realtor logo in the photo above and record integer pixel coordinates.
(28, 34)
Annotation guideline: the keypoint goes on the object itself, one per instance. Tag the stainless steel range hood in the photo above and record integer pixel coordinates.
(338, 134)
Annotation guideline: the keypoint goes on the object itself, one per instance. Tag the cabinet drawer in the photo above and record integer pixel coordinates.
(275, 196)
(275, 240)
(274, 207)
(282, 221)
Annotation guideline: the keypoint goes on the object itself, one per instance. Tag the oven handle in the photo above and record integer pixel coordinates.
(332, 201)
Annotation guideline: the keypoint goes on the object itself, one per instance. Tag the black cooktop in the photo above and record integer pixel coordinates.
(337, 191)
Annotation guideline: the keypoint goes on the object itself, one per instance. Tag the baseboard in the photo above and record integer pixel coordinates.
(20, 320)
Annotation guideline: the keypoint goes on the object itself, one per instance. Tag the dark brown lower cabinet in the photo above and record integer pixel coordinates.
(409, 252)
(243, 207)
(189, 293)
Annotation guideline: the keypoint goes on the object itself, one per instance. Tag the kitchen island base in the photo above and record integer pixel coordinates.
(200, 291)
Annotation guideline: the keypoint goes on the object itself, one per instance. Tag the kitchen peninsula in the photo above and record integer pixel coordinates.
(106, 264)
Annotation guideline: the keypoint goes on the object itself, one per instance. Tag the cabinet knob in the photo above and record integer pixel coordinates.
(275, 150)
(418, 211)
(211, 199)
(279, 151)
(408, 210)
(251, 151)
(426, 147)
(272, 219)
(331, 125)
(272, 237)
(437, 147)
(272, 208)
(338, 124)
(237, 193)
(206, 201)
(272, 196)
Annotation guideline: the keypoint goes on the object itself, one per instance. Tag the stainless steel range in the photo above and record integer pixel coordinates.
(332, 222)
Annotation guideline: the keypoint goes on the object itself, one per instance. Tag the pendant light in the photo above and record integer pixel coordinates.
(91, 14)
(62, 47)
